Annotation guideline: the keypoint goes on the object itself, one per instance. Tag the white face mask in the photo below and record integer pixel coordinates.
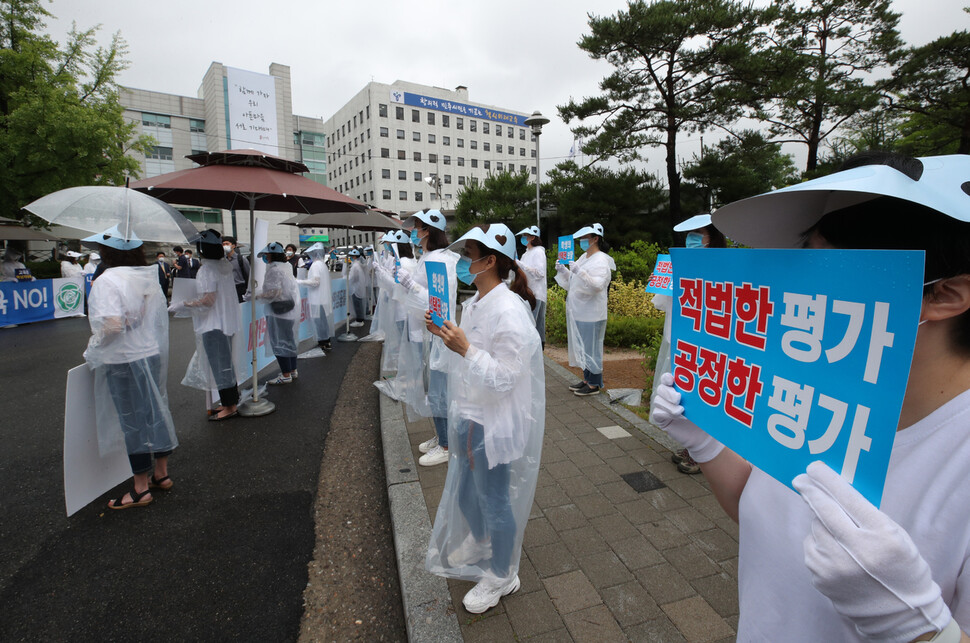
(928, 283)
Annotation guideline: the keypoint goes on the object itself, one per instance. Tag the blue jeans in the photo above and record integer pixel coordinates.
(359, 308)
(483, 496)
(218, 350)
(540, 316)
(591, 334)
(438, 400)
(283, 342)
(132, 386)
(322, 326)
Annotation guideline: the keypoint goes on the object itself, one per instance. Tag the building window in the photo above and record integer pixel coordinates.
(446, 160)
(382, 111)
(522, 169)
(521, 151)
(400, 134)
(445, 120)
(474, 144)
(486, 146)
(461, 142)
(511, 151)
(488, 165)
(431, 138)
(384, 132)
(472, 125)
(415, 116)
(432, 158)
(401, 155)
(430, 118)
(498, 166)
(402, 195)
(385, 153)
(484, 127)
(459, 123)
(521, 134)
(498, 130)
(461, 161)
(417, 156)
(498, 148)
(416, 136)
(418, 196)
(511, 132)
(446, 140)
(399, 113)
(402, 175)
(196, 125)
(447, 179)
(367, 108)
(533, 170)
(474, 162)
(156, 120)
(386, 195)
(417, 176)
(160, 153)
(474, 180)
(386, 173)
(461, 180)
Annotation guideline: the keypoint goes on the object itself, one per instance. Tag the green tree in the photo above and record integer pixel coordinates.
(61, 123)
(503, 197)
(931, 84)
(739, 167)
(630, 204)
(815, 65)
(675, 72)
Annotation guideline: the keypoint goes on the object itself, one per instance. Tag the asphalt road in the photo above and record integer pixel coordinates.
(223, 556)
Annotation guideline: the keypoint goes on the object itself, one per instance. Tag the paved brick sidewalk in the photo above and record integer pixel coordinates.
(620, 545)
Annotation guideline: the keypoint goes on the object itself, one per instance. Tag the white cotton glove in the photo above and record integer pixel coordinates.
(177, 307)
(573, 266)
(404, 278)
(667, 413)
(561, 268)
(866, 564)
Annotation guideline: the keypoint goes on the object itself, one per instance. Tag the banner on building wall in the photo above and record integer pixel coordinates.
(252, 111)
(32, 301)
(461, 109)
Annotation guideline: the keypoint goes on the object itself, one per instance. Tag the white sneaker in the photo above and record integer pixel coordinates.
(294, 375)
(280, 380)
(470, 551)
(356, 324)
(437, 455)
(427, 445)
(487, 593)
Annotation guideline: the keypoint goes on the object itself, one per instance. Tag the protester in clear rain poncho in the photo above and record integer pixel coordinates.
(217, 320)
(391, 312)
(281, 295)
(496, 420)
(379, 296)
(93, 260)
(701, 233)
(319, 295)
(12, 266)
(70, 267)
(533, 262)
(357, 285)
(128, 352)
(587, 281)
(824, 564)
(428, 234)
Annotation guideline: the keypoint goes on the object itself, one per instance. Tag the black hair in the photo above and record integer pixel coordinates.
(159, 254)
(536, 242)
(437, 239)
(887, 223)
(290, 245)
(114, 258)
(230, 239)
(177, 249)
(275, 256)
(715, 237)
(504, 265)
(404, 250)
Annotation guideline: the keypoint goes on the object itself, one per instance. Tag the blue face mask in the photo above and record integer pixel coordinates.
(584, 244)
(524, 241)
(463, 268)
(695, 240)
(265, 259)
(414, 237)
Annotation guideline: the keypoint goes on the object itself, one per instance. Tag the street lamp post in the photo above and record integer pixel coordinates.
(536, 121)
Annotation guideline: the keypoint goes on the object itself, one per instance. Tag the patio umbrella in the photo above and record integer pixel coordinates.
(370, 220)
(13, 230)
(238, 178)
(95, 208)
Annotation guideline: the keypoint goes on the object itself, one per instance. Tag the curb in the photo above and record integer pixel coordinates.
(428, 611)
(654, 433)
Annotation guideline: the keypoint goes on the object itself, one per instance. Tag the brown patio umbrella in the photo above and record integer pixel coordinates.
(239, 178)
(371, 220)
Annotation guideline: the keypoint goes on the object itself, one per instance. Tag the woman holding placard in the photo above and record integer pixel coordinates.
(428, 234)
(825, 564)
(128, 352)
(533, 262)
(587, 281)
(497, 384)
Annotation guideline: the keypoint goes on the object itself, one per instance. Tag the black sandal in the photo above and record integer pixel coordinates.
(137, 500)
(159, 483)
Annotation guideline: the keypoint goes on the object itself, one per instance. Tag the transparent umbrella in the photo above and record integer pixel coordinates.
(95, 208)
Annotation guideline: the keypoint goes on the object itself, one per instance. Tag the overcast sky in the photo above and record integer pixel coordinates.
(518, 55)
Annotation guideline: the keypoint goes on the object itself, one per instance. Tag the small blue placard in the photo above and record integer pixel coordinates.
(661, 281)
(438, 302)
(792, 356)
(566, 251)
(397, 268)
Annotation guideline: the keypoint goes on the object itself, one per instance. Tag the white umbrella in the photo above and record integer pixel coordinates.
(95, 208)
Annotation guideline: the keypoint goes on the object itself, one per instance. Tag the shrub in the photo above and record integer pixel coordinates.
(629, 299)
(44, 269)
(636, 261)
(641, 327)
(626, 332)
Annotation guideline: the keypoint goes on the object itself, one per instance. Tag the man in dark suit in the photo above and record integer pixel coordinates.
(192, 265)
(181, 267)
(164, 272)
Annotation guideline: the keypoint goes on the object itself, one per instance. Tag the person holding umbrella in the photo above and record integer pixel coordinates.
(128, 352)
(216, 318)
(281, 294)
(319, 295)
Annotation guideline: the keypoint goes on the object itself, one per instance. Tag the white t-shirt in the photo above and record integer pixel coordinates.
(215, 276)
(534, 264)
(117, 295)
(927, 492)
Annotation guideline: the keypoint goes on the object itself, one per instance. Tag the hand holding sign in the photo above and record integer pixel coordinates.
(438, 300)
(566, 251)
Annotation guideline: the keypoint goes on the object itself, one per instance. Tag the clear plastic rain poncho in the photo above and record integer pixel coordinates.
(390, 315)
(416, 303)
(128, 352)
(319, 294)
(495, 428)
(217, 320)
(662, 303)
(587, 284)
(411, 382)
(280, 295)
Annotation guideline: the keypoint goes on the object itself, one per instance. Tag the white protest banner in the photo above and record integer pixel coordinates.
(252, 111)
